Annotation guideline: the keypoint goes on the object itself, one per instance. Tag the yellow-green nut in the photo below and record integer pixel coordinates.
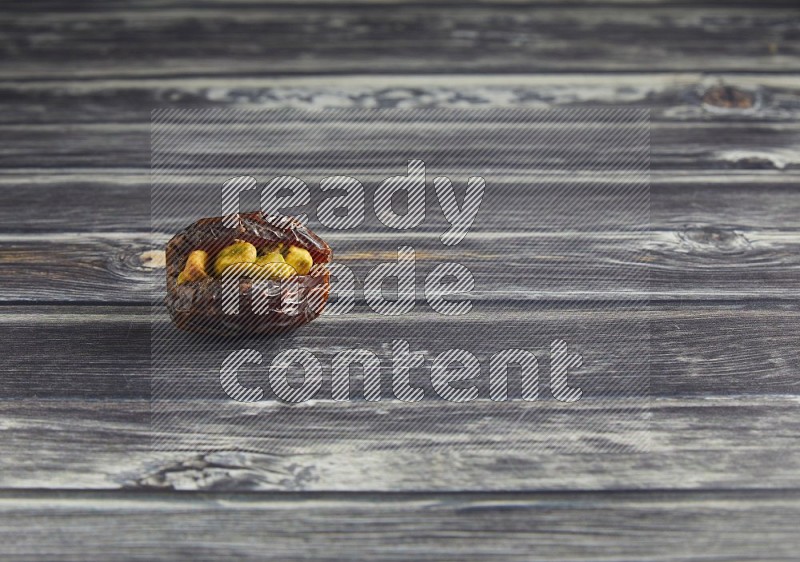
(270, 270)
(277, 270)
(299, 259)
(238, 252)
(195, 268)
(270, 257)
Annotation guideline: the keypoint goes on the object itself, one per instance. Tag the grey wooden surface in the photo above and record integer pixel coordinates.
(723, 525)
(78, 477)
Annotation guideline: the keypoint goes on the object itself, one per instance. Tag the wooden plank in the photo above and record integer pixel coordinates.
(109, 147)
(662, 526)
(20, 6)
(720, 263)
(75, 413)
(743, 443)
(291, 39)
(729, 237)
(669, 96)
(58, 202)
(699, 350)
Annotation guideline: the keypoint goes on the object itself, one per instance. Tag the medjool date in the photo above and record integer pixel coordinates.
(262, 275)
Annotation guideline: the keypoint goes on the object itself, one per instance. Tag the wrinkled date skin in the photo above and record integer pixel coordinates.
(195, 300)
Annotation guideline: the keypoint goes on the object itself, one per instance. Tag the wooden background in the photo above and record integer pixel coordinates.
(79, 478)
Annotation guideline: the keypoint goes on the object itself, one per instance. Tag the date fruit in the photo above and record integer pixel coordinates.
(263, 275)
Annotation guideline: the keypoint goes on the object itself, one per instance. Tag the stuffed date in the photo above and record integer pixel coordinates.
(248, 274)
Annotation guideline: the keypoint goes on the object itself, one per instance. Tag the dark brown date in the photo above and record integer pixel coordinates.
(243, 304)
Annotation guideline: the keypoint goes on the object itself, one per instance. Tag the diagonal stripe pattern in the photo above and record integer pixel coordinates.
(557, 182)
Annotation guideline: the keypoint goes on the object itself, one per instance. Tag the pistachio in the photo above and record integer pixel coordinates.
(238, 252)
(195, 268)
(299, 258)
(272, 256)
(269, 270)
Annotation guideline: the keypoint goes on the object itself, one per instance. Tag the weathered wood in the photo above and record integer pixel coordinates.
(675, 146)
(723, 238)
(664, 526)
(721, 263)
(721, 82)
(22, 7)
(693, 444)
(698, 350)
(223, 40)
(669, 96)
(92, 202)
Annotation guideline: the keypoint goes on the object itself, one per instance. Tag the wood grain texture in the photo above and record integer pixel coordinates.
(669, 96)
(718, 477)
(224, 40)
(712, 238)
(705, 443)
(695, 350)
(694, 263)
(20, 6)
(116, 203)
(111, 147)
(663, 526)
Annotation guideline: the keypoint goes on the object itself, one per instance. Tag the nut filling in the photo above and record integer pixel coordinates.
(263, 275)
